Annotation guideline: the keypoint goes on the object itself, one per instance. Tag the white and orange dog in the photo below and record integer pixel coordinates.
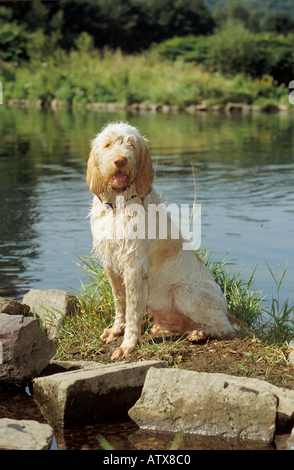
(146, 274)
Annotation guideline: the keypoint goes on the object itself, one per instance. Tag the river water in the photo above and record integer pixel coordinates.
(243, 168)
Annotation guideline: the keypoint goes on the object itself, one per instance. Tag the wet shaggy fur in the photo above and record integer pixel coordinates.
(146, 274)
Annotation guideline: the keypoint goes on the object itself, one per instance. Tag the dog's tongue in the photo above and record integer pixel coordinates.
(119, 177)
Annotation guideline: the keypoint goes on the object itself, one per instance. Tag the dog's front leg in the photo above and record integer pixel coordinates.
(136, 300)
(119, 294)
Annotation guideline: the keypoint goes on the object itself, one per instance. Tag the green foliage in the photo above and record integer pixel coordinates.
(88, 77)
(279, 22)
(237, 11)
(13, 41)
(264, 6)
(244, 303)
(280, 325)
(234, 49)
(131, 25)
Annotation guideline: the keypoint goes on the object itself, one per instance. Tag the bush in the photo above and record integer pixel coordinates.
(233, 49)
(13, 41)
(279, 22)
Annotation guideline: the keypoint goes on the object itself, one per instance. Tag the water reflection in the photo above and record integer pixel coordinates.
(243, 168)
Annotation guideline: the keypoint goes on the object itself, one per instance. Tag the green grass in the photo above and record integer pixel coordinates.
(272, 326)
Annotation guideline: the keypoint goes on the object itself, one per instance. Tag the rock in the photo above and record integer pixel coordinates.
(282, 107)
(234, 107)
(219, 108)
(134, 107)
(57, 104)
(246, 108)
(144, 106)
(165, 108)
(285, 409)
(57, 367)
(52, 306)
(176, 109)
(26, 350)
(24, 435)
(88, 395)
(204, 404)
(12, 307)
(290, 441)
(196, 108)
(202, 106)
(257, 108)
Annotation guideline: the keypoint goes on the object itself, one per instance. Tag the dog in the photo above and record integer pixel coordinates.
(147, 274)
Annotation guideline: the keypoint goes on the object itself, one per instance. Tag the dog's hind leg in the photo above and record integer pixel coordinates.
(204, 304)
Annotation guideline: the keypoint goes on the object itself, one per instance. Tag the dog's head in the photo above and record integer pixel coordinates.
(119, 157)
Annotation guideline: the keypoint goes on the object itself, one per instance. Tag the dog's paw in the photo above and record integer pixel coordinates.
(121, 353)
(157, 329)
(197, 335)
(111, 334)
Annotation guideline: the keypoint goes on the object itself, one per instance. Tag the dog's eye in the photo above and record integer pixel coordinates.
(107, 145)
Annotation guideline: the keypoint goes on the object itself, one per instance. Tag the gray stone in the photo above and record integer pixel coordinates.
(234, 107)
(202, 106)
(87, 395)
(26, 350)
(191, 109)
(165, 108)
(220, 108)
(285, 409)
(12, 307)
(204, 404)
(52, 306)
(24, 435)
(290, 441)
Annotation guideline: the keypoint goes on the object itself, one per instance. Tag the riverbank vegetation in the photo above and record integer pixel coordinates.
(78, 55)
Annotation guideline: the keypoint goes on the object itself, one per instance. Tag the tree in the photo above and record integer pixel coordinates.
(236, 11)
(279, 22)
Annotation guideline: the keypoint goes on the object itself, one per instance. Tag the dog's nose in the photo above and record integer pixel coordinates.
(120, 162)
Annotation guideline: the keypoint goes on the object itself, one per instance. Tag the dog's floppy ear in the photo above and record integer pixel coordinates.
(144, 177)
(94, 178)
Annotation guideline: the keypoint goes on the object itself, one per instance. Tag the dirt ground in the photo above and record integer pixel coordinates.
(247, 357)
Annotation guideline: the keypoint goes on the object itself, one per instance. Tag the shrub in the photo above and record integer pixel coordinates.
(13, 41)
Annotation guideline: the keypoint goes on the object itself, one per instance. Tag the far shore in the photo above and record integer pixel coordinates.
(147, 107)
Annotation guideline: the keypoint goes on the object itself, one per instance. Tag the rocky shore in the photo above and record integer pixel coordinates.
(159, 399)
(148, 107)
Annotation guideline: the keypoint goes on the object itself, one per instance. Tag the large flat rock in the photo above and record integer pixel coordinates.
(25, 350)
(95, 394)
(204, 404)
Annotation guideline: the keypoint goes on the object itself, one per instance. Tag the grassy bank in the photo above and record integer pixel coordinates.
(87, 76)
(260, 349)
